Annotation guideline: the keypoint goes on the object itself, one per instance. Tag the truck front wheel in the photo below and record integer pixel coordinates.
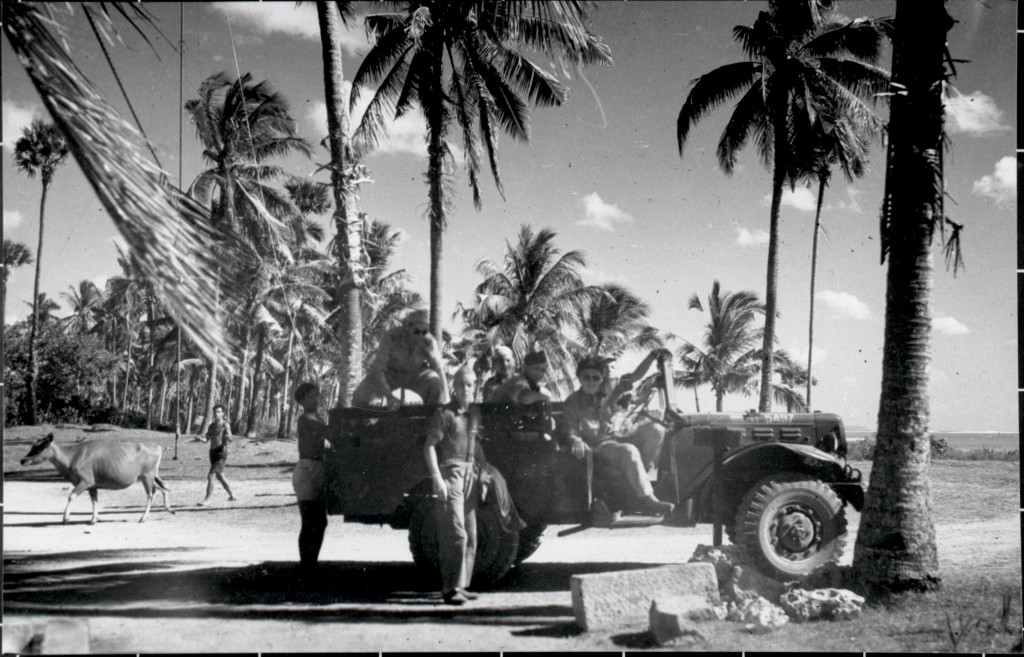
(496, 549)
(791, 525)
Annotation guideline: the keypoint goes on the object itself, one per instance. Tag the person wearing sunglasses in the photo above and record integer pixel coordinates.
(594, 419)
(408, 357)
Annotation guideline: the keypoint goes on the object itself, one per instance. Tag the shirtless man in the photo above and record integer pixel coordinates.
(528, 387)
(408, 357)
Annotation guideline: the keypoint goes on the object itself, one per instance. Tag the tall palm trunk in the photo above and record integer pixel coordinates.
(127, 363)
(261, 339)
(347, 222)
(151, 317)
(437, 124)
(895, 547)
(772, 278)
(162, 417)
(822, 184)
(239, 386)
(284, 428)
(33, 358)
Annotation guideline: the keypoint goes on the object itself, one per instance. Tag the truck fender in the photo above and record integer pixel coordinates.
(777, 457)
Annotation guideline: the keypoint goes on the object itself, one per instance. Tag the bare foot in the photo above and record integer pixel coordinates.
(201, 503)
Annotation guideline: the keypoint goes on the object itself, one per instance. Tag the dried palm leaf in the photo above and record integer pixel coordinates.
(170, 235)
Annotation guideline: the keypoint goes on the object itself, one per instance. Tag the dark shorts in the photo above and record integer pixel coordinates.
(218, 457)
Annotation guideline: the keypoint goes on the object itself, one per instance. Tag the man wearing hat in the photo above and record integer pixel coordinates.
(527, 387)
(408, 357)
(502, 364)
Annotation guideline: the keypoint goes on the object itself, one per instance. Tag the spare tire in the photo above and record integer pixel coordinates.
(496, 549)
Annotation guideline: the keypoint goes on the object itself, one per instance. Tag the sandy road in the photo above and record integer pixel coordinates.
(222, 578)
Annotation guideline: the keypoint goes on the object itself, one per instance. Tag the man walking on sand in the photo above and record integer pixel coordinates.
(218, 435)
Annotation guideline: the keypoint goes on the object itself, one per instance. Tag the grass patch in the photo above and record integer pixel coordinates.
(864, 450)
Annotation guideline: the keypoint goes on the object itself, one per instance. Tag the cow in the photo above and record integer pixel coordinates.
(97, 464)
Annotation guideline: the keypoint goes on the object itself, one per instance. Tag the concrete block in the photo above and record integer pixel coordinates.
(622, 599)
(64, 637)
(675, 617)
(17, 635)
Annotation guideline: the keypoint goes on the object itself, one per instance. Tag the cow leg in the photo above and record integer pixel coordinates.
(147, 483)
(94, 495)
(79, 488)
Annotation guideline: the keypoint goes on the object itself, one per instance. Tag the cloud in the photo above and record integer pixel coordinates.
(17, 116)
(949, 326)
(12, 219)
(602, 215)
(1001, 184)
(973, 114)
(844, 303)
(799, 354)
(850, 204)
(747, 238)
(406, 135)
(285, 18)
(801, 198)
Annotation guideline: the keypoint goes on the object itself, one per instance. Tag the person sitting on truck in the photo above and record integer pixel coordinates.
(408, 357)
(503, 363)
(450, 451)
(593, 419)
(528, 386)
(308, 476)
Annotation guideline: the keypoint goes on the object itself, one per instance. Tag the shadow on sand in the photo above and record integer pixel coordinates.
(341, 591)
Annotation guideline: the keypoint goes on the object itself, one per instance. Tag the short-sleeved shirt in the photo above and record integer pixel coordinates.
(218, 434)
(455, 432)
(512, 389)
(595, 418)
(491, 386)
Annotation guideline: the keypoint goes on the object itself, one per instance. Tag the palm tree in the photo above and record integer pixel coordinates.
(615, 321)
(241, 126)
(460, 62)
(386, 296)
(791, 379)
(844, 142)
(16, 254)
(728, 358)
(344, 180)
(85, 301)
(40, 150)
(801, 62)
(45, 307)
(895, 549)
(532, 301)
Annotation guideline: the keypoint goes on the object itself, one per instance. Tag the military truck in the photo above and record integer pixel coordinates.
(777, 483)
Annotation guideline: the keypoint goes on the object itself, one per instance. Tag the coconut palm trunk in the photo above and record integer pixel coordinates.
(436, 123)
(772, 277)
(895, 547)
(261, 339)
(33, 358)
(822, 184)
(346, 220)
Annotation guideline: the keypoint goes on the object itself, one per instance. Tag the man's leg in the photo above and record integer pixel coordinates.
(427, 385)
(224, 483)
(647, 436)
(452, 537)
(470, 498)
(625, 458)
(311, 535)
(209, 488)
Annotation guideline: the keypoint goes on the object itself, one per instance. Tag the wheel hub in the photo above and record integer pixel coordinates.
(795, 532)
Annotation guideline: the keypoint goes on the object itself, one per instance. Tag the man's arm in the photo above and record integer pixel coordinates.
(435, 432)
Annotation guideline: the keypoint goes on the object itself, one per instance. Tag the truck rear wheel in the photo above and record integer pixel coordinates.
(496, 549)
(791, 524)
(529, 541)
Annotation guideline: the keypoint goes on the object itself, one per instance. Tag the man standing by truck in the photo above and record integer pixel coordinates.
(450, 451)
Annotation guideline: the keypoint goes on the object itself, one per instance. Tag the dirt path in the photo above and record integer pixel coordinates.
(222, 578)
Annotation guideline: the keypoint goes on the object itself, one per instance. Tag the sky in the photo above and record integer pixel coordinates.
(603, 171)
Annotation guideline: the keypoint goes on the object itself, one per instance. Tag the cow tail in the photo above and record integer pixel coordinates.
(161, 484)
